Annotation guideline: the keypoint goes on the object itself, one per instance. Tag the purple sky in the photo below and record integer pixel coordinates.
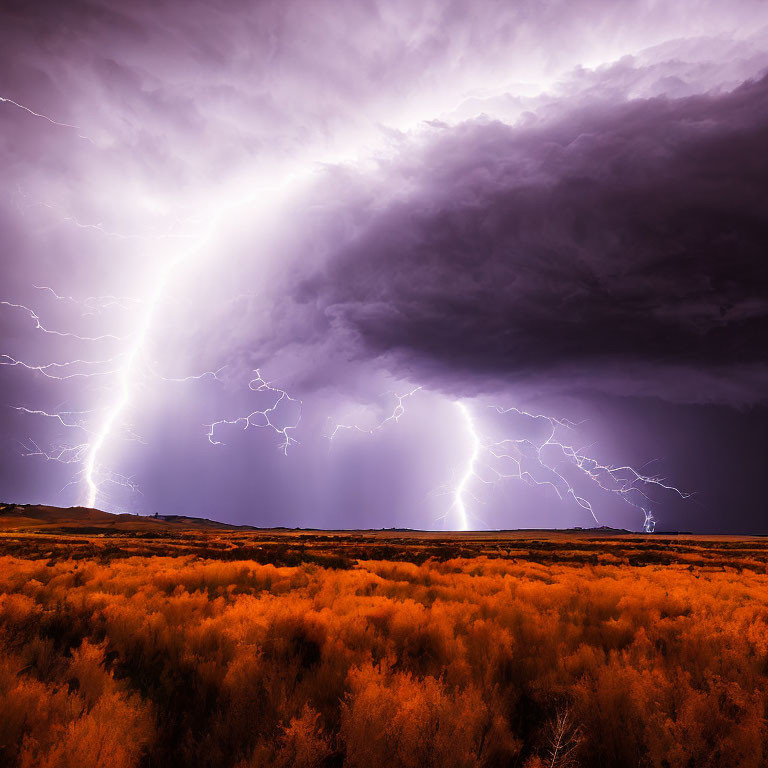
(545, 221)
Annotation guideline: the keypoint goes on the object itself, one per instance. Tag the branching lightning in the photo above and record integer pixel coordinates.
(63, 417)
(64, 334)
(470, 472)
(126, 380)
(180, 229)
(63, 371)
(193, 377)
(262, 418)
(490, 461)
(124, 367)
(127, 367)
(397, 412)
(64, 454)
(93, 304)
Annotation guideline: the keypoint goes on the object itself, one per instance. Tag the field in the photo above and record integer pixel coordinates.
(176, 642)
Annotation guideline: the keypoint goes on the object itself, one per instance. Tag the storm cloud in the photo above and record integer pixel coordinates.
(611, 239)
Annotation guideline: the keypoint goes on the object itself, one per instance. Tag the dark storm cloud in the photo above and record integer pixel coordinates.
(609, 243)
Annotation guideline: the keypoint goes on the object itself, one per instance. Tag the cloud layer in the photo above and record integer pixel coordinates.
(613, 242)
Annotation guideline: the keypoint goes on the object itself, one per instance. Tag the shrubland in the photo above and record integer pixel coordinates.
(592, 656)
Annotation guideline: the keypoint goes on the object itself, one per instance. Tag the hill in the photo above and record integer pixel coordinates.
(87, 520)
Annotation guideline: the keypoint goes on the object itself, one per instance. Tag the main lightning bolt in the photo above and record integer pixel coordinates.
(129, 365)
(125, 375)
(461, 491)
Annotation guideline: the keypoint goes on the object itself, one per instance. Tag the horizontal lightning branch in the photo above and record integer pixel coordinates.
(262, 418)
(40, 327)
(195, 377)
(63, 371)
(94, 304)
(397, 412)
(63, 417)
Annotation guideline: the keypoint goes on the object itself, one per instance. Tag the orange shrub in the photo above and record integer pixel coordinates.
(189, 661)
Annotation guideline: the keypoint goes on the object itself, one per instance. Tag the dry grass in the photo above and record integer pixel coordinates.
(179, 646)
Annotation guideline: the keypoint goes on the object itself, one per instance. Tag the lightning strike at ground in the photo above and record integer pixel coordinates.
(125, 381)
(132, 362)
(511, 457)
(461, 491)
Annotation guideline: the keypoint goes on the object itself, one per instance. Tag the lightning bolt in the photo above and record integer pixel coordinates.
(93, 304)
(4, 100)
(195, 376)
(134, 355)
(125, 377)
(459, 503)
(490, 461)
(397, 412)
(123, 366)
(63, 371)
(65, 334)
(61, 416)
(127, 367)
(262, 418)
(70, 454)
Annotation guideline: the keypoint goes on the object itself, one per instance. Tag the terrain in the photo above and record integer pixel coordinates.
(129, 641)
